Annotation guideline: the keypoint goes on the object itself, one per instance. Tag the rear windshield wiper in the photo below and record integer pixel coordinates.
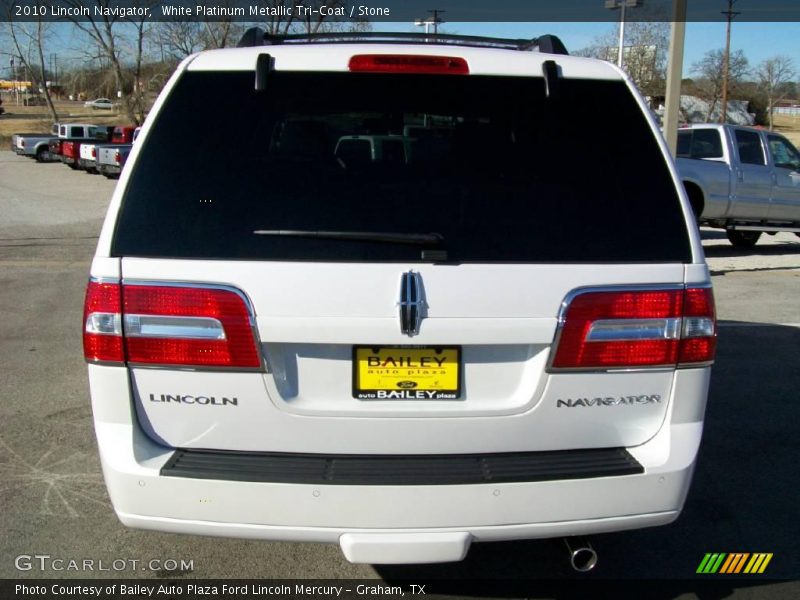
(366, 236)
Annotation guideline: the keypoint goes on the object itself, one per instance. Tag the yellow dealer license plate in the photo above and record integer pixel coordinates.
(404, 373)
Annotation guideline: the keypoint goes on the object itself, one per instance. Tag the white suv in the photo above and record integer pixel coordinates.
(505, 334)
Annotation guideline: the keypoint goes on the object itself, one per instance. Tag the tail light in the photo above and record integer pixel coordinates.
(94, 152)
(699, 335)
(102, 323)
(408, 63)
(116, 156)
(636, 328)
(168, 325)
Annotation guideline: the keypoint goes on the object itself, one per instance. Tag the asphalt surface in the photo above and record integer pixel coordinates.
(745, 496)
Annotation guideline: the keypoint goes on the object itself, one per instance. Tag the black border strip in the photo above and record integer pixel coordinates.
(401, 11)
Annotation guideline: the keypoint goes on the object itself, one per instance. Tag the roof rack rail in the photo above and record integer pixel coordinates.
(550, 44)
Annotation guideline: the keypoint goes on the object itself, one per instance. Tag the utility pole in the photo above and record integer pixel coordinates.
(54, 67)
(432, 20)
(672, 106)
(436, 20)
(726, 64)
(622, 5)
(14, 77)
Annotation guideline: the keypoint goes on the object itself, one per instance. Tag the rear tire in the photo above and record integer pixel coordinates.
(743, 239)
(42, 155)
(695, 195)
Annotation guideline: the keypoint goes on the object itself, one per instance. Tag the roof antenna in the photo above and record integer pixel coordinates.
(551, 44)
(252, 37)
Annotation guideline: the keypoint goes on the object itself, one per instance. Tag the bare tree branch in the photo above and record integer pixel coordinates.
(645, 55)
(35, 36)
(710, 69)
(307, 17)
(106, 31)
(774, 76)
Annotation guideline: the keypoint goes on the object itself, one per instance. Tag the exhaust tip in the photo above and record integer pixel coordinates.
(582, 557)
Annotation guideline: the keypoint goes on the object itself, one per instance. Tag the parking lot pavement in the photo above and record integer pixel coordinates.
(739, 278)
(744, 498)
(772, 253)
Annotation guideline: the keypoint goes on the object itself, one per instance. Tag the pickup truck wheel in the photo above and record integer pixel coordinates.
(743, 239)
(42, 155)
(695, 199)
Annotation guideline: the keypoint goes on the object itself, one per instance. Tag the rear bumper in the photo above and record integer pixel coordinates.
(440, 521)
(410, 545)
(107, 169)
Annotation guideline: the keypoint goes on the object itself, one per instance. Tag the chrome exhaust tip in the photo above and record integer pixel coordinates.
(582, 557)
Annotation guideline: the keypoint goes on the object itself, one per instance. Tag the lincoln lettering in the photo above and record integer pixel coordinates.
(205, 400)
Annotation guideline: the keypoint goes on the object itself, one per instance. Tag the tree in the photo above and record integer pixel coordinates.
(32, 60)
(710, 71)
(111, 40)
(307, 17)
(644, 56)
(221, 33)
(775, 78)
(179, 39)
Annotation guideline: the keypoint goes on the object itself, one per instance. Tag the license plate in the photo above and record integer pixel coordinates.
(404, 373)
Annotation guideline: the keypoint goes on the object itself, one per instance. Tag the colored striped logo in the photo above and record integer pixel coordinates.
(735, 562)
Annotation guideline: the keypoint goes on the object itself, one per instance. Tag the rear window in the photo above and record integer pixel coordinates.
(497, 170)
(700, 144)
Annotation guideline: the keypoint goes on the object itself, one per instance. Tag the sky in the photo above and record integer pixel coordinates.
(758, 41)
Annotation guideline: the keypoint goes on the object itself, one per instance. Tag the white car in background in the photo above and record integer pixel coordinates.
(503, 330)
(99, 103)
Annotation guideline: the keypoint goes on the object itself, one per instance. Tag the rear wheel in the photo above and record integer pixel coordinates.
(42, 155)
(695, 199)
(743, 239)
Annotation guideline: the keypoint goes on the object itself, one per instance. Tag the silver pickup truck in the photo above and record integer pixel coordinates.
(34, 145)
(743, 180)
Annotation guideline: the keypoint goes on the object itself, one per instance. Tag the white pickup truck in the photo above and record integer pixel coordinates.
(743, 180)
